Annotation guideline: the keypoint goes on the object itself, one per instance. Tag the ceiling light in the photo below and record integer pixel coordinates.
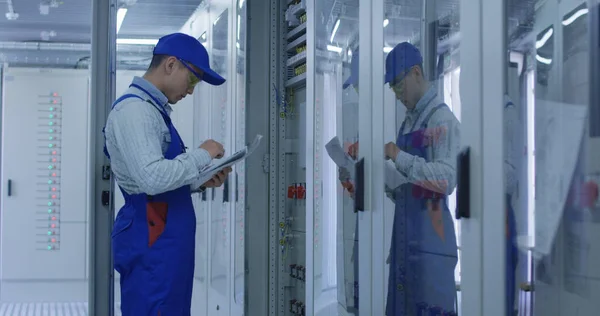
(120, 17)
(335, 28)
(137, 41)
(543, 60)
(387, 49)
(334, 49)
(575, 16)
(386, 22)
(241, 3)
(539, 44)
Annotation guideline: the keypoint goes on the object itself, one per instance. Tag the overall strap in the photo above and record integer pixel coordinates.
(121, 98)
(430, 114)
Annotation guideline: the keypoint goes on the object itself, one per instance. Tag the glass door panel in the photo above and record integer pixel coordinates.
(551, 154)
(421, 133)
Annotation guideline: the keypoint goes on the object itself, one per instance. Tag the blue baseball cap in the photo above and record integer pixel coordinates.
(189, 50)
(353, 79)
(401, 58)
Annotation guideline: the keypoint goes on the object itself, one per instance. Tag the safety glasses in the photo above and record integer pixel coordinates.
(398, 79)
(194, 77)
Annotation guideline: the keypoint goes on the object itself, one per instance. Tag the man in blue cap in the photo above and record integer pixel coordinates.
(423, 254)
(153, 237)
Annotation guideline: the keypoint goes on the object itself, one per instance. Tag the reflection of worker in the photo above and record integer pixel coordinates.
(153, 236)
(423, 253)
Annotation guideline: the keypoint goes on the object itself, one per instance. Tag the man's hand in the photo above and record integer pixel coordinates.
(391, 151)
(344, 177)
(218, 179)
(214, 148)
(353, 150)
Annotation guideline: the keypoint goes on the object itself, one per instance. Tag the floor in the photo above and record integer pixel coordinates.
(47, 309)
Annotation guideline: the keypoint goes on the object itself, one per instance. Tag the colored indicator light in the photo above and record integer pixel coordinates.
(50, 145)
(49, 211)
(53, 225)
(54, 196)
(53, 159)
(49, 247)
(51, 137)
(54, 174)
(49, 203)
(53, 218)
(54, 189)
(51, 115)
(51, 123)
(49, 233)
(51, 109)
(50, 131)
(50, 167)
(54, 101)
(54, 152)
(49, 181)
(53, 240)
(54, 94)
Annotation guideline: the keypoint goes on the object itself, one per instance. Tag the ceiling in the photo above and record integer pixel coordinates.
(62, 36)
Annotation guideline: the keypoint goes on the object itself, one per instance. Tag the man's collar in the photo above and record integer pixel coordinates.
(152, 92)
(423, 102)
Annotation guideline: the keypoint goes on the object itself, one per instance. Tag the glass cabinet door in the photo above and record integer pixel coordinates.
(551, 152)
(416, 46)
(221, 115)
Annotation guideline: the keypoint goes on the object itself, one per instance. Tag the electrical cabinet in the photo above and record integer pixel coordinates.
(45, 188)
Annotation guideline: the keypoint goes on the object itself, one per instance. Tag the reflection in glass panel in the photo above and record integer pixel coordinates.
(240, 142)
(336, 115)
(219, 215)
(553, 197)
(422, 135)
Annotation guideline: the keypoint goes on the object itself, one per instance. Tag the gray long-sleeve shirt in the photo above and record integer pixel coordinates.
(137, 138)
(439, 172)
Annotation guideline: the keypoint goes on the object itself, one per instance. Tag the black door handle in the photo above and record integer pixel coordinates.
(463, 184)
(204, 194)
(359, 192)
(237, 188)
(214, 193)
(9, 187)
(226, 190)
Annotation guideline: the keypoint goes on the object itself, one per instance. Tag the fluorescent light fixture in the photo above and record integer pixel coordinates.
(334, 49)
(544, 39)
(543, 60)
(237, 44)
(241, 3)
(120, 17)
(575, 16)
(349, 53)
(239, 26)
(386, 22)
(335, 28)
(137, 41)
(387, 49)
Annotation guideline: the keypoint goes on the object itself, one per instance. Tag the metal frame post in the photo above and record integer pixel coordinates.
(483, 67)
(103, 69)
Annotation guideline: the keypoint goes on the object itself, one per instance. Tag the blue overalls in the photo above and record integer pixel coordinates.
(423, 252)
(153, 242)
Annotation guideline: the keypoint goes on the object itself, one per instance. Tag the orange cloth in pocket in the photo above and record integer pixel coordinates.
(156, 215)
